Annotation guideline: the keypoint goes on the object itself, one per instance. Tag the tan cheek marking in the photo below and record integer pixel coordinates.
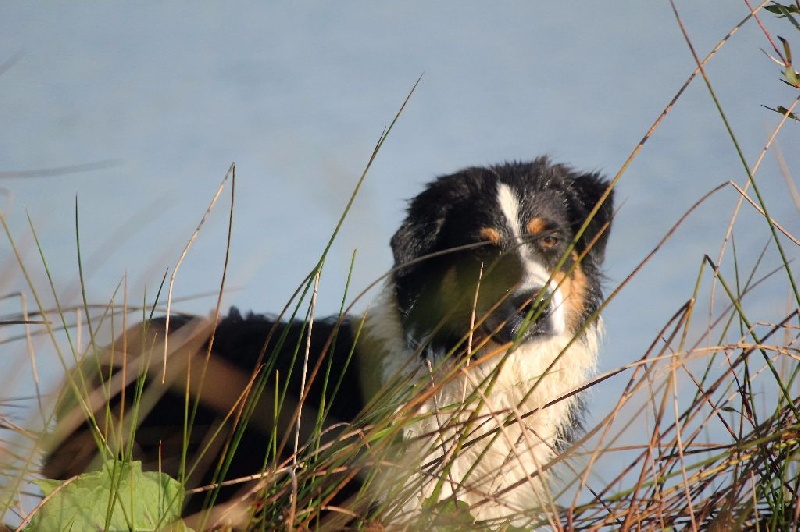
(573, 289)
(458, 300)
(453, 294)
(449, 283)
(490, 235)
(536, 226)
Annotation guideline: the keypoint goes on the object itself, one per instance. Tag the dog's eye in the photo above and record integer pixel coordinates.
(485, 250)
(549, 241)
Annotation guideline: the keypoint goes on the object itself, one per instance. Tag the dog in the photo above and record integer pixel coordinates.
(461, 383)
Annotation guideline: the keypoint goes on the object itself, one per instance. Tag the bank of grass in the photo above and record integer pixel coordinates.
(718, 444)
(719, 433)
(704, 434)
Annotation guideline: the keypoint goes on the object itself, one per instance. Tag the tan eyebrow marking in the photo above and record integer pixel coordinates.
(536, 226)
(490, 234)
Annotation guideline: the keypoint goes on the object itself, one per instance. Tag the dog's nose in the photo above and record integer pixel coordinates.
(524, 315)
(535, 304)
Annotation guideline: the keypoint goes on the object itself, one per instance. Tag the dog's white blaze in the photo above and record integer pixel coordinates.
(509, 206)
(536, 276)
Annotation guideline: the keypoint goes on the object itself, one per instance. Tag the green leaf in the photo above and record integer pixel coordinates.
(781, 9)
(791, 76)
(119, 497)
(782, 111)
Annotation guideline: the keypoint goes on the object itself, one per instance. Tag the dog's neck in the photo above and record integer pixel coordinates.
(381, 344)
(533, 385)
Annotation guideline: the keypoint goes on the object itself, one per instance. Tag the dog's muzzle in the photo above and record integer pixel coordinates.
(525, 315)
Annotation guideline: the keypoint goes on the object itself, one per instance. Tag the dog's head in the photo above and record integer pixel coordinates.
(505, 254)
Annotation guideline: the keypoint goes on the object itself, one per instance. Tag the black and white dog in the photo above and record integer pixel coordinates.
(469, 363)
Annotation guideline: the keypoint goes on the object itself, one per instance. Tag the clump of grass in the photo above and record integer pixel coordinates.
(720, 447)
(92, 383)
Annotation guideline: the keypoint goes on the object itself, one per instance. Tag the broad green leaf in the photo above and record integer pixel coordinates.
(119, 497)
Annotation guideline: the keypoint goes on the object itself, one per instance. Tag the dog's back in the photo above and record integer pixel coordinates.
(227, 413)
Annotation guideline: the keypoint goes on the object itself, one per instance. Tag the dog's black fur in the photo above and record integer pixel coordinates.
(491, 278)
(449, 215)
(254, 345)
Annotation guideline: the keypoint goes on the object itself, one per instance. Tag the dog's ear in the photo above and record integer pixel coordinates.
(405, 242)
(419, 232)
(585, 192)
